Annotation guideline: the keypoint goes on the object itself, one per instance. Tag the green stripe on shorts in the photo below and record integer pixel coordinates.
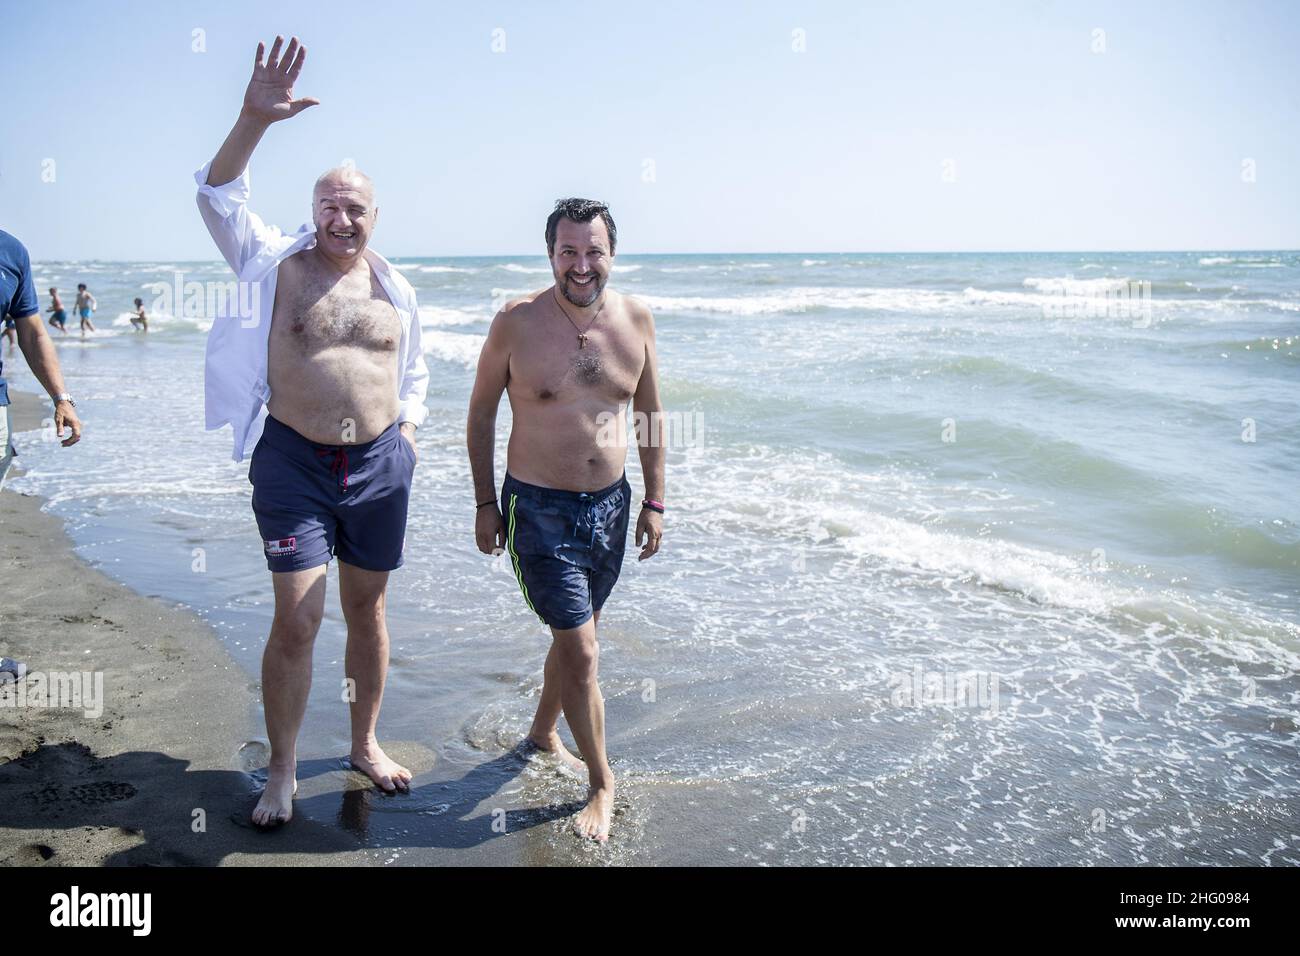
(510, 546)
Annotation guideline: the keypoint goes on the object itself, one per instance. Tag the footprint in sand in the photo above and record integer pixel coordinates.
(34, 854)
(252, 755)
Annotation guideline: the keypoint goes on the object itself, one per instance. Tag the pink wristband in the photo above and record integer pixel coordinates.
(652, 505)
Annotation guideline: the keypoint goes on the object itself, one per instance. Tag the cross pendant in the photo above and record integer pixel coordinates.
(582, 340)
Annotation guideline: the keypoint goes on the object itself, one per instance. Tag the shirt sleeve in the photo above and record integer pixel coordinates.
(24, 301)
(239, 233)
(415, 373)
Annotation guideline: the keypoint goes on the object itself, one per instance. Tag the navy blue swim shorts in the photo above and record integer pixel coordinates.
(315, 501)
(566, 547)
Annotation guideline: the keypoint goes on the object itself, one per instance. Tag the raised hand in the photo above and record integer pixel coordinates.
(269, 97)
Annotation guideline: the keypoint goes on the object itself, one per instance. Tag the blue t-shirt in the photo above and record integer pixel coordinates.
(17, 292)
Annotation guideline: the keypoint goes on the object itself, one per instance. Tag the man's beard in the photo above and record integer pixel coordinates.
(596, 287)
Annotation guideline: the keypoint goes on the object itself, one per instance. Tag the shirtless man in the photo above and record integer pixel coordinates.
(59, 317)
(570, 357)
(86, 306)
(342, 375)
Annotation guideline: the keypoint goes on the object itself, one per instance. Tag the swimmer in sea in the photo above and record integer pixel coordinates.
(140, 320)
(86, 306)
(59, 318)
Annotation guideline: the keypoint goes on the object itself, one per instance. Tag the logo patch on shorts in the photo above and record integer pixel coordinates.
(282, 546)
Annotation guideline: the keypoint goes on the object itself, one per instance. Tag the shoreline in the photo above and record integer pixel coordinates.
(117, 787)
(827, 542)
(169, 771)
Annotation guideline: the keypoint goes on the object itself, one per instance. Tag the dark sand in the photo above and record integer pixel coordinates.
(162, 775)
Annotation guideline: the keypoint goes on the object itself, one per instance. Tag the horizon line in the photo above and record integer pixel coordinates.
(897, 252)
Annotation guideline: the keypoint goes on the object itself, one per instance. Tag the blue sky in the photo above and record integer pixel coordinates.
(755, 147)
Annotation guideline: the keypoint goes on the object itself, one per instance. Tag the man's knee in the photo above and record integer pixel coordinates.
(361, 594)
(579, 653)
(362, 606)
(295, 628)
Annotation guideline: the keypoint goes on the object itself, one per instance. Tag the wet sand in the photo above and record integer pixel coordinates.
(166, 775)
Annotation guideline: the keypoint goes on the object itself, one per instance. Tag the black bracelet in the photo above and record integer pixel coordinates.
(486, 503)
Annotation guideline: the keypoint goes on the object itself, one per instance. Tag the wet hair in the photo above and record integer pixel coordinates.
(81, 285)
(139, 301)
(579, 210)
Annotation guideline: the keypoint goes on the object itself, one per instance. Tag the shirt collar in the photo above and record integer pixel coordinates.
(388, 274)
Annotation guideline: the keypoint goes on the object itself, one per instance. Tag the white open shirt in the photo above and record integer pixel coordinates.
(235, 388)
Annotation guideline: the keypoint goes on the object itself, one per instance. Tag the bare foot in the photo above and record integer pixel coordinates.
(390, 775)
(554, 746)
(594, 819)
(276, 804)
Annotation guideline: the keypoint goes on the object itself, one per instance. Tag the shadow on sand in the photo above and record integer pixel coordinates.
(155, 804)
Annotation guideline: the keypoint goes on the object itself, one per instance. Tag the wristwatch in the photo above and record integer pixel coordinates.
(64, 397)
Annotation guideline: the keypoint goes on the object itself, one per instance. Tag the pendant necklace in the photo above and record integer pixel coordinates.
(582, 333)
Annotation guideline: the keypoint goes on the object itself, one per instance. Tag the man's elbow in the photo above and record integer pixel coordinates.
(480, 436)
(414, 387)
(29, 331)
(649, 404)
(205, 207)
(481, 416)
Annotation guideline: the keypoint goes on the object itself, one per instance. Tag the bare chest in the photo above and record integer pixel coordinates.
(311, 315)
(554, 367)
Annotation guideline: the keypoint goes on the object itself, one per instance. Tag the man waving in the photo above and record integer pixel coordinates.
(322, 359)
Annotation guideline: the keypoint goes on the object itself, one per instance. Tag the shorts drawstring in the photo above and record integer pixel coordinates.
(591, 519)
(340, 462)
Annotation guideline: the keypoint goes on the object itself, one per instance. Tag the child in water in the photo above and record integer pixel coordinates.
(140, 320)
(60, 317)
